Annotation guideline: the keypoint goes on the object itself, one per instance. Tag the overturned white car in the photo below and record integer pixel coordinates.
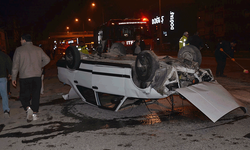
(109, 79)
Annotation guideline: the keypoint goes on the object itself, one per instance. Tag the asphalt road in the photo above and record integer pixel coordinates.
(76, 125)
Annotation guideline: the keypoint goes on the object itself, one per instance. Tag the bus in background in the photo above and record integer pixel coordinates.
(123, 31)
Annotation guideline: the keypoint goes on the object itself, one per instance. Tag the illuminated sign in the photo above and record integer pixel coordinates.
(120, 23)
(129, 42)
(158, 20)
(171, 20)
(126, 43)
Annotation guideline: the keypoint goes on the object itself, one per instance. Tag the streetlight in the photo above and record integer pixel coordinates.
(93, 5)
(77, 20)
(67, 29)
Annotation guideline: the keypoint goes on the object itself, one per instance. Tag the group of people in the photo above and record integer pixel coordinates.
(222, 51)
(191, 40)
(28, 61)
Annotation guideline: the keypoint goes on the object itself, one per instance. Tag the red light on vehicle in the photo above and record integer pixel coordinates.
(144, 19)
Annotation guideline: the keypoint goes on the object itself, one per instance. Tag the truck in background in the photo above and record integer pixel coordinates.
(123, 31)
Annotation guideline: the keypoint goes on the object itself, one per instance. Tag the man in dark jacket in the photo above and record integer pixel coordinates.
(195, 40)
(138, 45)
(220, 56)
(5, 65)
(28, 61)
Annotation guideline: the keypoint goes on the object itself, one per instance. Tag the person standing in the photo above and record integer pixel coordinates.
(183, 39)
(138, 45)
(42, 78)
(9, 79)
(83, 48)
(195, 40)
(28, 60)
(220, 56)
(5, 65)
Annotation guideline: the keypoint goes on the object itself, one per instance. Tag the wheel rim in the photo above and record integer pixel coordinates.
(188, 56)
(143, 66)
(69, 58)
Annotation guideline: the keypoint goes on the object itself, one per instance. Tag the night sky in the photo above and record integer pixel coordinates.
(41, 17)
(46, 16)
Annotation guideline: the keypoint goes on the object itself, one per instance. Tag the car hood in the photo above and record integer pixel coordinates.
(211, 98)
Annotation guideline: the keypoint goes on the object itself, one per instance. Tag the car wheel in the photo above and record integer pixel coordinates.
(190, 52)
(118, 49)
(145, 65)
(72, 57)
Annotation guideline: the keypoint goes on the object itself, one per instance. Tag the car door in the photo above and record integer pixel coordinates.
(83, 82)
(109, 79)
(83, 76)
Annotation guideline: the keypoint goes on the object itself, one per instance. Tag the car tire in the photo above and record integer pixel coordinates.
(72, 57)
(118, 49)
(145, 65)
(190, 52)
